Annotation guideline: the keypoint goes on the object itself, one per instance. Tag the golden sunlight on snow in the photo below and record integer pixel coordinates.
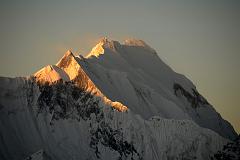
(68, 69)
(51, 73)
(97, 50)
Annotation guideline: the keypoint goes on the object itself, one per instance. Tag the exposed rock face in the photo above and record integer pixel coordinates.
(230, 151)
(194, 98)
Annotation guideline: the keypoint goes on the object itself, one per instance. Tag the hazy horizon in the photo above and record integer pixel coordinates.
(198, 39)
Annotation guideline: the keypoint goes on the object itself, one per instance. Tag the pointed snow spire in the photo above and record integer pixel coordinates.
(103, 45)
(69, 64)
(97, 50)
(65, 59)
(103, 40)
(68, 53)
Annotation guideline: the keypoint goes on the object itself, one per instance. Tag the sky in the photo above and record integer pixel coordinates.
(200, 39)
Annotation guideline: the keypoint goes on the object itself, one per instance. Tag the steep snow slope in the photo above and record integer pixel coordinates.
(133, 74)
(69, 65)
(61, 121)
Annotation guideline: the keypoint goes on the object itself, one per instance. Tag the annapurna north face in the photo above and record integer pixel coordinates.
(121, 101)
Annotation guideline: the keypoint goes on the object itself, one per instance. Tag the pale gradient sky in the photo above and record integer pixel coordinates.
(200, 39)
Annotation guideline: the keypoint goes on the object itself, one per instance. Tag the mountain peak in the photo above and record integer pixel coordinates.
(65, 59)
(78, 103)
(97, 50)
(50, 74)
(135, 42)
(104, 43)
(68, 53)
(138, 43)
(114, 46)
(104, 40)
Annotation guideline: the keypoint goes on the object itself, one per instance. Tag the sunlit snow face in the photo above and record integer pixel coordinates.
(97, 50)
(51, 74)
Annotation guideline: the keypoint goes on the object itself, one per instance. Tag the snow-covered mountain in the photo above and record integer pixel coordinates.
(121, 101)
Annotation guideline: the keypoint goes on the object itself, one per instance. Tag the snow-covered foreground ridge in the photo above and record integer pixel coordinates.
(119, 102)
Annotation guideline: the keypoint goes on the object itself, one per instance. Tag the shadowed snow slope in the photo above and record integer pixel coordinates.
(119, 102)
(65, 122)
(133, 74)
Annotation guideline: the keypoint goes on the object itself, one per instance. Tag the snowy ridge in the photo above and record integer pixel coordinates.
(51, 74)
(129, 73)
(138, 43)
(68, 69)
(119, 102)
(89, 129)
(104, 44)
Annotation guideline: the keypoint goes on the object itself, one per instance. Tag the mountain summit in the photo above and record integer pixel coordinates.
(103, 44)
(121, 101)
